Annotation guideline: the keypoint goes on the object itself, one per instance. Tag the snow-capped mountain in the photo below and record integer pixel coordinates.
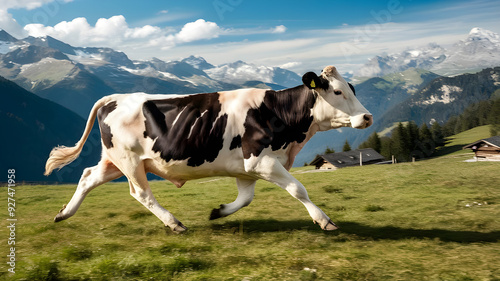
(240, 72)
(198, 62)
(77, 76)
(424, 57)
(8, 43)
(481, 49)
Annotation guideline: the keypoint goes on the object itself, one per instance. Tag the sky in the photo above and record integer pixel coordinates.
(296, 35)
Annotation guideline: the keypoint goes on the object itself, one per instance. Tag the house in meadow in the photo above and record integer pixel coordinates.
(486, 149)
(339, 160)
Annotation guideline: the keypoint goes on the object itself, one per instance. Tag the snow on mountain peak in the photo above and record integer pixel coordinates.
(478, 33)
(480, 49)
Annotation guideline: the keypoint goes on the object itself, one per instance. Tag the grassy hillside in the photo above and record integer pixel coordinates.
(430, 220)
(455, 143)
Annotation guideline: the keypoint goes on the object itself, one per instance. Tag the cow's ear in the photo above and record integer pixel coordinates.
(312, 81)
(352, 88)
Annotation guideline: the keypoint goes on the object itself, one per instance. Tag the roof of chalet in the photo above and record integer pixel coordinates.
(493, 141)
(349, 158)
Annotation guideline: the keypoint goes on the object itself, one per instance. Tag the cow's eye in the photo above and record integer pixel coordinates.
(337, 92)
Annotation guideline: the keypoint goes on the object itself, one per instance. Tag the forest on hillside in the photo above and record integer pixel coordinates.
(408, 140)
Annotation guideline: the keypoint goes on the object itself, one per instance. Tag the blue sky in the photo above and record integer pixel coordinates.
(298, 35)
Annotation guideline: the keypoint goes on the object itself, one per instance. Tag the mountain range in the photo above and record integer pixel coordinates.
(76, 77)
(481, 49)
(50, 86)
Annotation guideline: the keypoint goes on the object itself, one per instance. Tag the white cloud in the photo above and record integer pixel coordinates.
(291, 65)
(279, 29)
(198, 30)
(9, 24)
(115, 32)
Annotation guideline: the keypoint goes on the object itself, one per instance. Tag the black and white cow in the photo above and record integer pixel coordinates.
(249, 134)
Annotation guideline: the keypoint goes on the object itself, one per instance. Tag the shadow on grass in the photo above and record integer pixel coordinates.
(397, 233)
(359, 231)
(269, 225)
(447, 150)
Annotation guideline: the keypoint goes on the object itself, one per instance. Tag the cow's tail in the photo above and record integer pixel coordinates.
(61, 156)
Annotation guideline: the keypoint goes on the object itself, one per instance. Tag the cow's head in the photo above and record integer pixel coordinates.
(336, 105)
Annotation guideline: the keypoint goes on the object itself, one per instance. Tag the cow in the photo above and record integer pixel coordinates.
(248, 134)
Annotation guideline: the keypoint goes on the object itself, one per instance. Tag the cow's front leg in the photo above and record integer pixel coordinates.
(246, 188)
(272, 170)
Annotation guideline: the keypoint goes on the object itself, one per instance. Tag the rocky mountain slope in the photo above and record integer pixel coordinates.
(76, 77)
(479, 50)
(32, 126)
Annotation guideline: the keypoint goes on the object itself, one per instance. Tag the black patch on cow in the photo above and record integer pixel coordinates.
(235, 143)
(196, 135)
(102, 113)
(352, 88)
(283, 117)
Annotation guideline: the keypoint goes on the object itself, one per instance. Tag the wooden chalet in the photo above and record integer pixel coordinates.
(339, 160)
(486, 149)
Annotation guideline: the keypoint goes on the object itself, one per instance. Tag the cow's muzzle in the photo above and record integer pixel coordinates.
(362, 121)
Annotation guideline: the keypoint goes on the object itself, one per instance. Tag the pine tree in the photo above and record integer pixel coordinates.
(437, 134)
(346, 147)
(426, 144)
(373, 141)
(449, 126)
(494, 118)
(329, 150)
(400, 143)
(425, 133)
(413, 134)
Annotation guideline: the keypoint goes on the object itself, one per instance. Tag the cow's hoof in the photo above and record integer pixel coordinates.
(179, 228)
(330, 226)
(59, 217)
(216, 213)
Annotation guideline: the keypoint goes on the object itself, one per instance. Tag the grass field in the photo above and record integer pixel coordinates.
(436, 219)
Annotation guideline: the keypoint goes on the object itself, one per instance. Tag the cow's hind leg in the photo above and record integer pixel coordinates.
(246, 190)
(140, 190)
(91, 178)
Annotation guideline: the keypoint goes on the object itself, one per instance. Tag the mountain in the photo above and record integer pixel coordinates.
(444, 97)
(50, 42)
(32, 127)
(481, 49)
(76, 77)
(240, 72)
(198, 62)
(425, 57)
(6, 37)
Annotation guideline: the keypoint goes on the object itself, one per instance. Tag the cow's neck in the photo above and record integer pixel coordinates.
(293, 106)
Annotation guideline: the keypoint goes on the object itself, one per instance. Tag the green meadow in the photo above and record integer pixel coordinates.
(436, 219)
